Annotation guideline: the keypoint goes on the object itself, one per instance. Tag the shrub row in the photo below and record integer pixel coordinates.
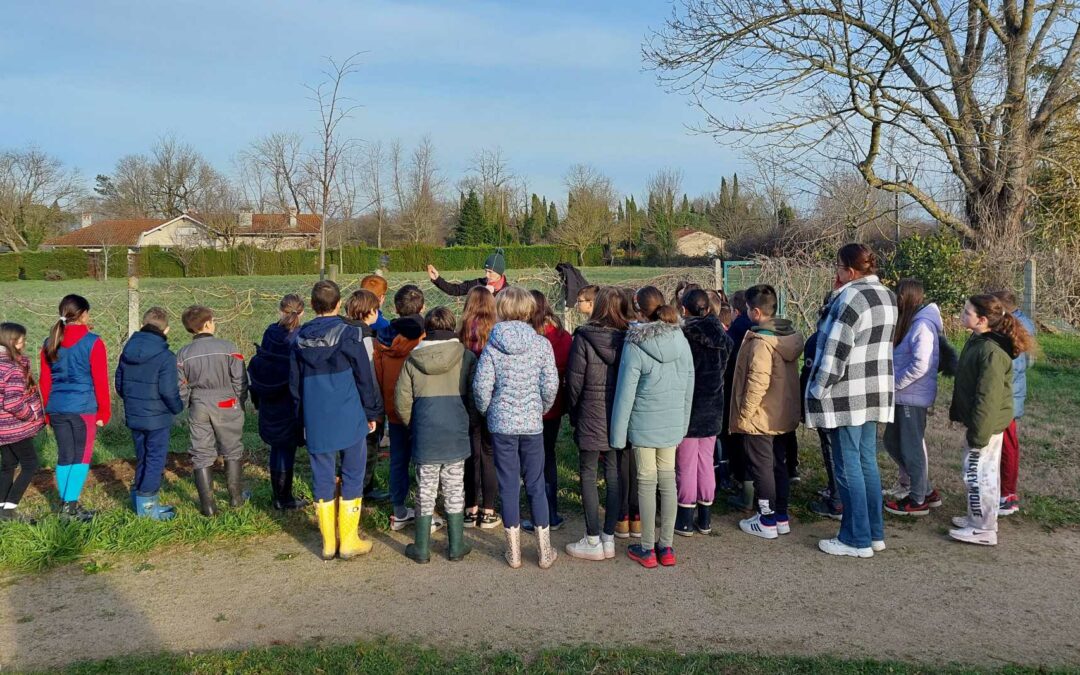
(73, 263)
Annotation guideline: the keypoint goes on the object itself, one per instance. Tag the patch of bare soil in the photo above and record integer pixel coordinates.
(926, 599)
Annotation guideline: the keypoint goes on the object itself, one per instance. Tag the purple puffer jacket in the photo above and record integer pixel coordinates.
(915, 360)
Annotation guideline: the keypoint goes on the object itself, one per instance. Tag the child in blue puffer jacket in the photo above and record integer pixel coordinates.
(147, 381)
(516, 382)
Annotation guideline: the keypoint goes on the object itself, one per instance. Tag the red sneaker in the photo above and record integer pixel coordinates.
(645, 557)
(906, 507)
(666, 555)
(933, 500)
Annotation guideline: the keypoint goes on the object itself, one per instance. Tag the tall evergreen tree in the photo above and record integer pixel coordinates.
(552, 218)
(685, 206)
(471, 230)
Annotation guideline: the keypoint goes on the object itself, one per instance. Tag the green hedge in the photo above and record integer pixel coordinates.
(155, 262)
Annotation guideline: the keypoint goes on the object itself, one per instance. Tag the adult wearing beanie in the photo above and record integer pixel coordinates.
(494, 277)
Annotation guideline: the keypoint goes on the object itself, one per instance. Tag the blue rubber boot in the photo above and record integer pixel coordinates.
(146, 506)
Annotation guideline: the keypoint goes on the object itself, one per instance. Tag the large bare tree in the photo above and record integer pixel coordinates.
(172, 179)
(374, 187)
(590, 219)
(957, 81)
(333, 107)
(274, 173)
(30, 181)
(417, 185)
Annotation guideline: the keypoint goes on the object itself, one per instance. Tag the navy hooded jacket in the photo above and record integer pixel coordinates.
(331, 380)
(147, 381)
(268, 385)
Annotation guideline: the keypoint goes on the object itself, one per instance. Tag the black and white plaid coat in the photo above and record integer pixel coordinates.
(851, 382)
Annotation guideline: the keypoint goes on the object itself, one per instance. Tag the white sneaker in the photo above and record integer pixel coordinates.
(399, 524)
(755, 527)
(587, 550)
(877, 546)
(897, 491)
(837, 547)
(961, 522)
(608, 542)
(783, 527)
(970, 535)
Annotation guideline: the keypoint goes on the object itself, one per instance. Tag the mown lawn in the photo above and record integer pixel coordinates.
(392, 657)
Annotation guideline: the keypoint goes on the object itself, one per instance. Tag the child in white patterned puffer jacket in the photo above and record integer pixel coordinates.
(515, 384)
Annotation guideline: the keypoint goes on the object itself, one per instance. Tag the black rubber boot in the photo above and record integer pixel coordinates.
(281, 483)
(204, 483)
(234, 477)
(704, 519)
(684, 521)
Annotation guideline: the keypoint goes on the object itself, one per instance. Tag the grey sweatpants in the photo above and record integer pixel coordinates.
(453, 486)
(904, 442)
(656, 467)
(215, 431)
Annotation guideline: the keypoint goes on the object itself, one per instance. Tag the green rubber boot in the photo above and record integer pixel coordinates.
(420, 550)
(455, 532)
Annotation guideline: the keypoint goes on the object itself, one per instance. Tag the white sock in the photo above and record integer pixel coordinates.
(593, 541)
(9, 505)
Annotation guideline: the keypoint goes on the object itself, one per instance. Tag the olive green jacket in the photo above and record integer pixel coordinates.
(982, 397)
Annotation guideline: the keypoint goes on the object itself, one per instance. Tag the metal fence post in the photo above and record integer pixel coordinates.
(1030, 286)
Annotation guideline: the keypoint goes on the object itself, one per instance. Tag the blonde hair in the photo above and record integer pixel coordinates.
(514, 303)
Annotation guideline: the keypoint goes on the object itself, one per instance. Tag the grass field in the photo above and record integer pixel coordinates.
(393, 657)
(1050, 468)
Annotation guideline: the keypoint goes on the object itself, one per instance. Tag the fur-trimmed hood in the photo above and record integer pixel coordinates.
(657, 339)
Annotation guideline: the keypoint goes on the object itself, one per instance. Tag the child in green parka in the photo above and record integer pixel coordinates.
(982, 402)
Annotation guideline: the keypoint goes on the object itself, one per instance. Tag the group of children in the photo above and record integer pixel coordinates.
(659, 396)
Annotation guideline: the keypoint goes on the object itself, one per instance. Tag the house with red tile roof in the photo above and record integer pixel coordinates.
(277, 231)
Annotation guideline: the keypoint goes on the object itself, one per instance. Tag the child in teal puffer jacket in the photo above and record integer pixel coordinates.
(653, 399)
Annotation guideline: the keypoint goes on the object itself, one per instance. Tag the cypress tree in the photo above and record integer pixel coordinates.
(470, 229)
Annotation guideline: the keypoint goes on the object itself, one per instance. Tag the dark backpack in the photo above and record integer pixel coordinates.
(268, 374)
(948, 361)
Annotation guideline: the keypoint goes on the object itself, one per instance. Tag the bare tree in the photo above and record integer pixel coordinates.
(333, 108)
(502, 193)
(591, 200)
(173, 179)
(847, 206)
(956, 82)
(374, 187)
(664, 189)
(30, 178)
(274, 173)
(417, 186)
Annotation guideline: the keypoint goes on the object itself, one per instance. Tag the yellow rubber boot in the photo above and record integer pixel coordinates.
(326, 512)
(349, 529)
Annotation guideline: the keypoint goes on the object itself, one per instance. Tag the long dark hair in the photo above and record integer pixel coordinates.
(611, 309)
(10, 333)
(72, 307)
(1002, 322)
(909, 299)
(543, 314)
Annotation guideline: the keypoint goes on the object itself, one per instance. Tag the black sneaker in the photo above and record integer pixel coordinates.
(827, 509)
(75, 511)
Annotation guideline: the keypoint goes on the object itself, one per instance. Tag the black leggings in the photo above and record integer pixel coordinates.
(18, 454)
(735, 454)
(480, 473)
(628, 508)
(551, 467)
(590, 497)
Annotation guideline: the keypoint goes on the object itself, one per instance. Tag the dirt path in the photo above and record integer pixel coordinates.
(925, 599)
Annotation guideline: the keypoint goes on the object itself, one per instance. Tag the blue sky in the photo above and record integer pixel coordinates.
(551, 83)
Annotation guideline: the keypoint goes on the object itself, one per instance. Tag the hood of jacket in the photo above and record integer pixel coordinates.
(407, 332)
(319, 339)
(932, 315)
(436, 357)
(513, 337)
(409, 327)
(366, 330)
(1002, 341)
(780, 333)
(277, 339)
(143, 346)
(706, 331)
(658, 339)
(606, 342)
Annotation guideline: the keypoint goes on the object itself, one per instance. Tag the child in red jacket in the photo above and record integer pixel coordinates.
(548, 324)
(75, 390)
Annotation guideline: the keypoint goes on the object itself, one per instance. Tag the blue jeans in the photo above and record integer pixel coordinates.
(517, 456)
(324, 472)
(400, 454)
(151, 451)
(859, 484)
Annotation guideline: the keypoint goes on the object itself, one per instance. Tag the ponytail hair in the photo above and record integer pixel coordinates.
(649, 300)
(10, 333)
(72, 307)
(291, 306)
(1002, 322)
(667, 314)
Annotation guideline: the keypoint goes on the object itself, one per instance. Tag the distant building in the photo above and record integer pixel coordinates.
(276, 231)
(698, 244)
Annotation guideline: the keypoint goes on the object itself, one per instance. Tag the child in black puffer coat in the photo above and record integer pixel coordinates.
(694, 476)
